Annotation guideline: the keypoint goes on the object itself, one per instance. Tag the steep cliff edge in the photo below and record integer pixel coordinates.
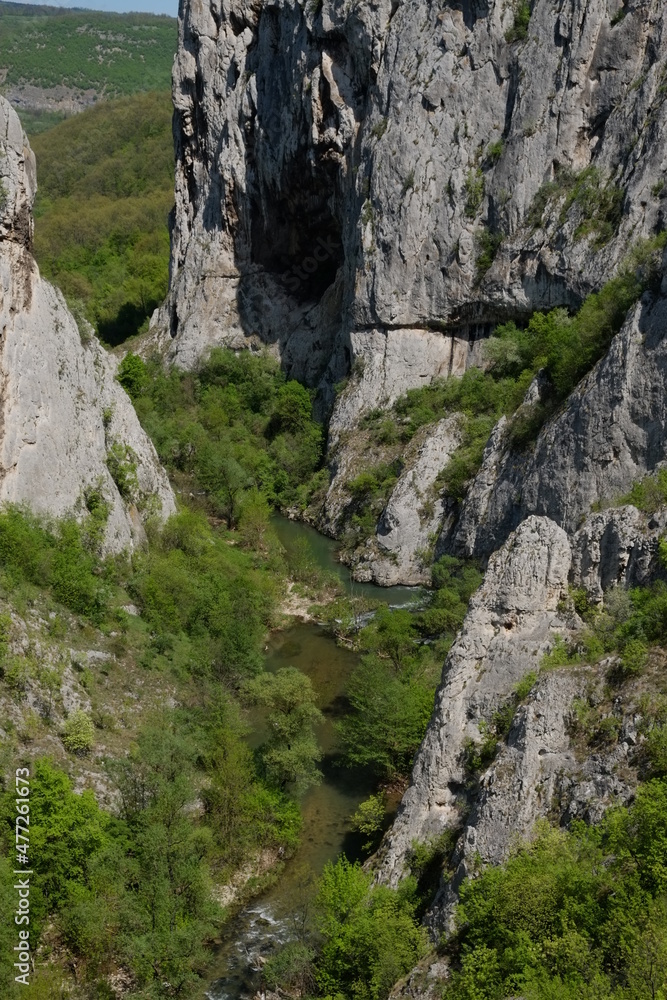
(513, 620)
(611, 432)
(368, 190)
(66, 423)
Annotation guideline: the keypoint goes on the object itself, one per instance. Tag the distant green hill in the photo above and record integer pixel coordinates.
(105, 188)
(81, 50)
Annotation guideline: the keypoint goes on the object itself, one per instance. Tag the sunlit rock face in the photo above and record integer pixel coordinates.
(61, 409)
(341, 170)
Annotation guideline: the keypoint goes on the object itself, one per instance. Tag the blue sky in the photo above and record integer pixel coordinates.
(122, 6)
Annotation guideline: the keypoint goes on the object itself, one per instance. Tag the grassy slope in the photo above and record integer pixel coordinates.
(105, 181)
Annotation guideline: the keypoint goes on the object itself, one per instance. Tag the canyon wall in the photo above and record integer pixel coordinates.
(61, 410)
(368, 189)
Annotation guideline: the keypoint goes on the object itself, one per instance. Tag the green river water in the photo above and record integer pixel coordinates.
(326, 831)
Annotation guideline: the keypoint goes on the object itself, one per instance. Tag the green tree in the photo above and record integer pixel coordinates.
(291, 409)
(370, 935)
(291, 754)
(133, 375)
(78, 732)
(388, 718)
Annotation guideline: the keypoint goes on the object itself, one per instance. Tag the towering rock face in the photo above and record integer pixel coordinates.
(346, 175)
(336, 167)
(62, 412)
(367, 190)
(510, 624)
(611, 432)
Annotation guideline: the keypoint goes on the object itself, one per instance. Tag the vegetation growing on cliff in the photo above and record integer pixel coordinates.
(561, 346)
(234, 430)
(574, 914)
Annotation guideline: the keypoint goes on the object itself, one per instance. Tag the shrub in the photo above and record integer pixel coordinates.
(78, 734)
(369, 817)
(519, 30)
(52, 556)
(122, 466)
(525, 686)
(474, 191)
(370, 935)
(487, 244)
(634, 656)
(291, 969)
(649, 494)
(133, 375)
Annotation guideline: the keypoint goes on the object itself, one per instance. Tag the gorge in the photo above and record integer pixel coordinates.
(446, 222)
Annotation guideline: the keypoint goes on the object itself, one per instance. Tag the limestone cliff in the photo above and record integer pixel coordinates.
(62, 411)
(343, 170)
(511, 622)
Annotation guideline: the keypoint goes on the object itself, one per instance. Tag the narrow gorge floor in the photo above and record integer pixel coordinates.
(269, 920)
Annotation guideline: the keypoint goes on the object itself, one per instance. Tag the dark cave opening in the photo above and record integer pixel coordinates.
(297, 239)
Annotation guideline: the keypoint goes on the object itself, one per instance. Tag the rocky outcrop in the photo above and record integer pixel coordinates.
(61, 409)
(538, 774)
(402, 548)
(617, 547)
(611, 432)
(18, 180)
(548, 767)
(511, 622)
(342, 172)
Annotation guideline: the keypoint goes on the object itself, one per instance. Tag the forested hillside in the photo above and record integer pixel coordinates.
(70, 58)
(105, 189)
(418, 300)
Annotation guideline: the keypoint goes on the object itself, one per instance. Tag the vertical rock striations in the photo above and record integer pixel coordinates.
(611, 432)
(367, 190)
(61, 410)
(510, 624)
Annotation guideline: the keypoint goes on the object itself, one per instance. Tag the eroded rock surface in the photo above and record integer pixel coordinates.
(61, 409)
(341, 169)
(511, 622)
(611, 432)
(537, 774)
(401, 551)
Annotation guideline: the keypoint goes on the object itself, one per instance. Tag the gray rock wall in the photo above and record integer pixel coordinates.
(61, 408)
(511, 622)
(336, 167)
(611, 432)
(339, 168)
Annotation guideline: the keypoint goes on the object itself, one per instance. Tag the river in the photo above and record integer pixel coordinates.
(326, 809)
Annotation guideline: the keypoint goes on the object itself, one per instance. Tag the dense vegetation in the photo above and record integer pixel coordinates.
(110, 54)
(105, 181)
(391, 691)
(574, 914)
(235, 430)
(134, 889)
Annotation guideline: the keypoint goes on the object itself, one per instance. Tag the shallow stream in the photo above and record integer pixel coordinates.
(326, 810)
